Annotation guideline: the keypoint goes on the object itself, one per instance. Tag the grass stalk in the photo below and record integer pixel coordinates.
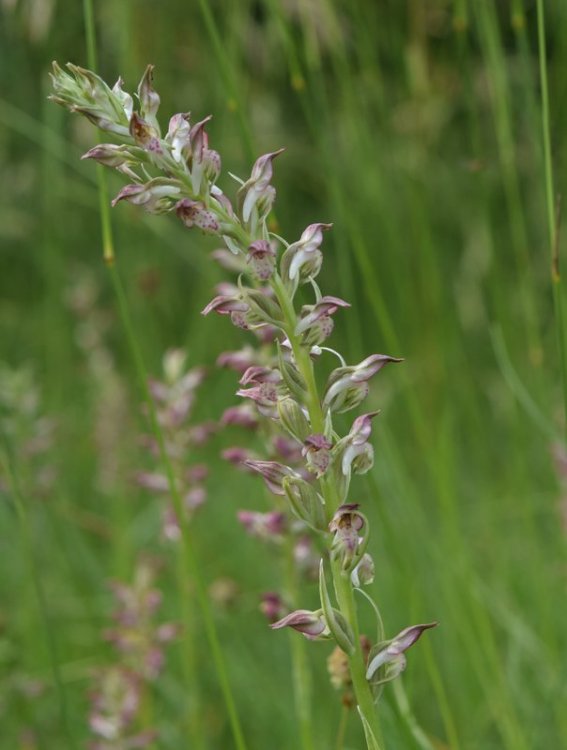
(226, 69)
(343, 586)
(552, 220)
(407, 715)
(492, 45)
(301, 672)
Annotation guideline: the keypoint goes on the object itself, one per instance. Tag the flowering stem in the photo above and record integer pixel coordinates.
(301, 355)
(343, 587)
(300, 668)
(357, 664)
(557, 287)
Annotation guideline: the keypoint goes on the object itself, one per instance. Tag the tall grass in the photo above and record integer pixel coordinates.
(417, 129)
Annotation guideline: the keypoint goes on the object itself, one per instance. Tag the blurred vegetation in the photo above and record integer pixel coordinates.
(416, 127)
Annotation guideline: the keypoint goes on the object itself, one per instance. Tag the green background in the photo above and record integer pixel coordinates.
(416, 128)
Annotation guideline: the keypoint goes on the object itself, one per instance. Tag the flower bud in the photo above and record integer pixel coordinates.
(291, 375)
(124, 98)
(348, 386)
(178, 137)
(274, 474)
(354, 452)
(232, 305)
(316, 323)
(156, 196)
(305, 502)
(211, 165)
(363, 573)
(392, 653)
(121, 158)
(265, 395)
(302, 260)
(263, 308)
(292, 418)
(149, 98)
(310, 624)
(83, 91)
(257, 195)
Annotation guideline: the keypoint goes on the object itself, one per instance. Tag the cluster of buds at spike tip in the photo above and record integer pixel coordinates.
(174, 398)
(84, 92)
(313, 465)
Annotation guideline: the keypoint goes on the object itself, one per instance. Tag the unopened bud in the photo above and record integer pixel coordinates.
(363, 573)
(293, 419)
(149, 98)
(305, 502)
(310, 624)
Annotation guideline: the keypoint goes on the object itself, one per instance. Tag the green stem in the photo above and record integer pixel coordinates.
(341, 731)
(357, 662)
(550, 202)
(343, 587)
(302, 684)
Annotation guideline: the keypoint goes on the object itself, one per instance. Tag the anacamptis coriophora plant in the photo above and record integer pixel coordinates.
(177, 172)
